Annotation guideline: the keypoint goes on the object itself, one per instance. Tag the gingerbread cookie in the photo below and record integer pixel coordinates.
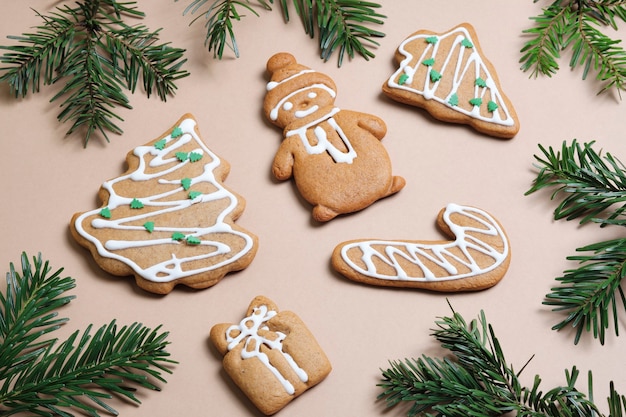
(335, 156)
(476, 258)
(270, 355)
(168, 219)
(448, 75)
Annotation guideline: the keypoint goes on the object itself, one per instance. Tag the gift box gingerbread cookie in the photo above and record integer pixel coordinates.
(271, 355)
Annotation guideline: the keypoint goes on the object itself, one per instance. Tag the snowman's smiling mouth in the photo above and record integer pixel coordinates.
(304, 113)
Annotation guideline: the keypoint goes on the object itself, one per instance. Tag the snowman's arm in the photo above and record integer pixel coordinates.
(373, 124)
(282, 168)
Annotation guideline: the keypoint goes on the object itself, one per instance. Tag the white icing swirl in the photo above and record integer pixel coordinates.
(171, 200)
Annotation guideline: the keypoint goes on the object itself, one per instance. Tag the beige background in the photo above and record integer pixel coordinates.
(46, 177)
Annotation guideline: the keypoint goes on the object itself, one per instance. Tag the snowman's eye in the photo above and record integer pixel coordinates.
(312, 95)
(288, 105)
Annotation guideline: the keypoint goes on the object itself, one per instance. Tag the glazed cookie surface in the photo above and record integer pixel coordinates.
(477, 256)
(334, 156)
(449, 76)
(271, 356)
(168, 219)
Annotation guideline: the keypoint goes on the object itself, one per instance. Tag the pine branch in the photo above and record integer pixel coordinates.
(27, 313)
(343, 26)
(574, 24)
(591, 293)
(39, 377)
(98, 55)
(477, 381)
(593, 187)
(593, 183)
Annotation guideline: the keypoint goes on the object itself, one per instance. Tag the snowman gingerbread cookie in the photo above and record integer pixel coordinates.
(334, 155)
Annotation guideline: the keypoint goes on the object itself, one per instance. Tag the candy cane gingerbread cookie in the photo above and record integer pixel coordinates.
(476, 258)
(335, 156)
(448, 75)
(271, 356)
(168, 219)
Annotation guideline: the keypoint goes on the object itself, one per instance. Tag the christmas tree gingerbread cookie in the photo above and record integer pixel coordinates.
(448, 75)
(335, 156)
(168, 219)
(271, 355)
(477, 256)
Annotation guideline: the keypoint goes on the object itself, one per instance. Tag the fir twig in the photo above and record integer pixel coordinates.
(575, 24)
(344, 26)
(478, 381)
(593, 187)
(98, 55)
(82, 372)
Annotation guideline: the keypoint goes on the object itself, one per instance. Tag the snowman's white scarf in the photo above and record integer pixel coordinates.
(323, 144)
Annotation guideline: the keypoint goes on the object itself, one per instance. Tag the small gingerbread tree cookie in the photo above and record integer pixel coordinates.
(448, 75)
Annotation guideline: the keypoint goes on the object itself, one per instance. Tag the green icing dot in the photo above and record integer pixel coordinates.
(176, 132)
(480, 82)
(192, 240)
(435, 75)
(195, 156)
(136, 204)
(149, 226)
(428, 62)
(454, 100)
(186, 183)
(467, 43)
(476, 101)
(403, 79)
(182, 156)
(194, 194)
(160, 144)
(106, 213)
(492, 106)
(177, 236)
(432, 39)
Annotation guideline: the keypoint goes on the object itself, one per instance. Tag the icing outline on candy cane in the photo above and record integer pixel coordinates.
(248, 330)
(440, 254)
(171, 269)
(458, 74)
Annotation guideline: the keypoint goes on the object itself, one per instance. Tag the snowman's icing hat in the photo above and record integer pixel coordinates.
(288, 77)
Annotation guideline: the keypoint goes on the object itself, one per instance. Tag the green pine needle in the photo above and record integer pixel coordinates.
(343, 26)
(97, 55)
(575, 24)
(476, 380)
(40, 377)
(593, 190)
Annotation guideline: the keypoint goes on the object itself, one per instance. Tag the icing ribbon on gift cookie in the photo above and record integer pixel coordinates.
(254, 333)
(477, 258)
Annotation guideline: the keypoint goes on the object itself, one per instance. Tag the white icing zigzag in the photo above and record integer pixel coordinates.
(173, 199)
(468, 63)
(444, 255)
